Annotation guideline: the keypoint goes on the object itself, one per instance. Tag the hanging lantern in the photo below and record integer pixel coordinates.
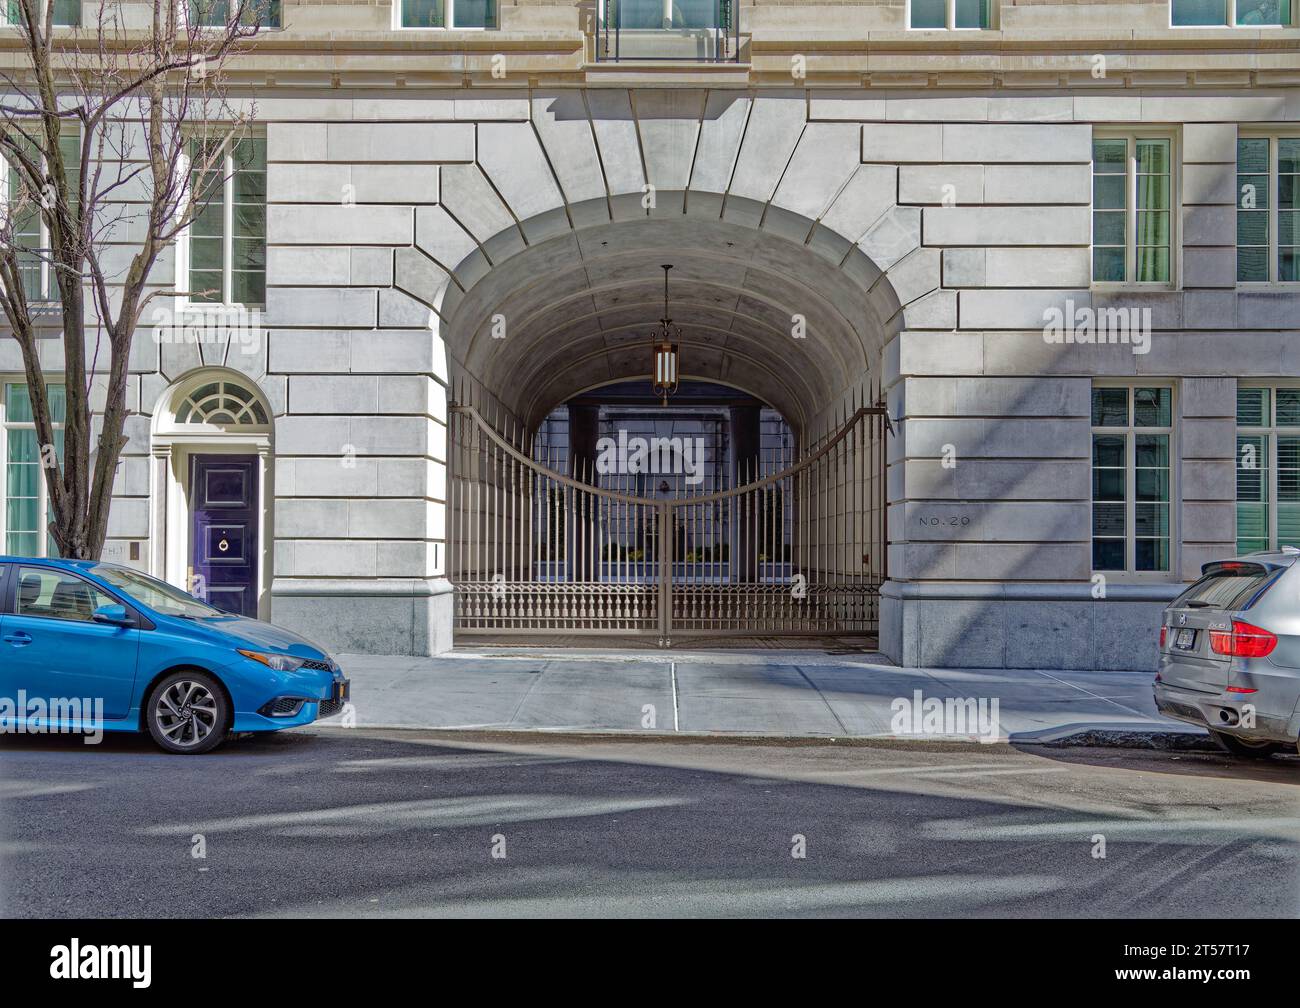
(665, 375)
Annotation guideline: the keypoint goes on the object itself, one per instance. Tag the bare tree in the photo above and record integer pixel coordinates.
(144, 91)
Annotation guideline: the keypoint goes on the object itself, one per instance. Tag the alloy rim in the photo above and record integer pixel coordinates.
(186, 713)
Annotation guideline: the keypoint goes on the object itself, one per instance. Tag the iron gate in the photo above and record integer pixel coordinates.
(797, 549)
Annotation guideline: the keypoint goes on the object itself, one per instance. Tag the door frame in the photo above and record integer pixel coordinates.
(170, 517)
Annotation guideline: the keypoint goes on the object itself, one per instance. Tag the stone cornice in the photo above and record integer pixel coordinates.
(885, 59)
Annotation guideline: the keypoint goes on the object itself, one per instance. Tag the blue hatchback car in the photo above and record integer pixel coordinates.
(89, 646)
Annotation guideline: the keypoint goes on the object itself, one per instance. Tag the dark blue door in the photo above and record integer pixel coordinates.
(223, 539)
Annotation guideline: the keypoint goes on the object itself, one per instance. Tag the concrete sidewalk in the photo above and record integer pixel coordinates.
(779, 693)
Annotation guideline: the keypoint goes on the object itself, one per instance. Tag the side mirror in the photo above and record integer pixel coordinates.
(113, 614)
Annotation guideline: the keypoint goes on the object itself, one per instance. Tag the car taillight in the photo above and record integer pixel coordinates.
(1244, 641)
(1164, 632)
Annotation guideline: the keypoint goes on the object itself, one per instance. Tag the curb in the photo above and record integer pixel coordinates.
(1122, 735)
(1061, 738)
(1159, 741)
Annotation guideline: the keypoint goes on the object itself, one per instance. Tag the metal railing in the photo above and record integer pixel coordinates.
(692, 31)
(797, 548)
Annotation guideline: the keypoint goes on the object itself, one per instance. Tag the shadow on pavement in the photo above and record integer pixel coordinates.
(1281, 769)
(375, 824)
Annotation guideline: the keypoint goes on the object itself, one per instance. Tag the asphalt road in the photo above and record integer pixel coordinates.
(332, 822)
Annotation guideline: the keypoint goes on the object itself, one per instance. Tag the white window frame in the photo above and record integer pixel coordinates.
(48, 293)
(183, 301)
(185, 19)
(1129, 574)
(4, 18)
(451, 19)
(43, 297)
(42, 491)
(1272, 431)
(1131, 208)
(1272, 136)
(1231, 21)
(950, 17)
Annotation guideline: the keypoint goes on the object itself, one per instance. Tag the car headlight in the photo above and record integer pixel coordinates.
(279, 662)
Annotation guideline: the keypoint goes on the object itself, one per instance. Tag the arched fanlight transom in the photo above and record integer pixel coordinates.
(222, 404)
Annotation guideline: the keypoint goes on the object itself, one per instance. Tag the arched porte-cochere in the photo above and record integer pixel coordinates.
(776, 304)
(797, 548)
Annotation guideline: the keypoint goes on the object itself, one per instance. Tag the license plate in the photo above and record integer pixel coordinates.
(1185, 639)
(342, 690)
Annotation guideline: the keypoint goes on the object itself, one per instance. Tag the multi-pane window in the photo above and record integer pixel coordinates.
(1268, 467)
(658, 15)
(948, 14)
(1132, 430)
(67, 13)
(26, 510)
(1132, 200)
(448, 13)
(30, 230)
(218, 13)
(227, 235)
(1268, 209)
(1243, 13)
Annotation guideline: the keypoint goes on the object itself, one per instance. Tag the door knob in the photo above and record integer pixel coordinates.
(18, 639)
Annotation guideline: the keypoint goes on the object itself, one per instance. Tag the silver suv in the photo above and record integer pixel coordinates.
(1230, 653)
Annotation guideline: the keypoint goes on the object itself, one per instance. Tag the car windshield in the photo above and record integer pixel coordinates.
(157, 595)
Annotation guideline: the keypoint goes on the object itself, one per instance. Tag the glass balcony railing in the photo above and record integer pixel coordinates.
(688, 30)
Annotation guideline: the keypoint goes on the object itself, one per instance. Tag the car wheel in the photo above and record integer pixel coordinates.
(187, 712)
(1245, 748)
